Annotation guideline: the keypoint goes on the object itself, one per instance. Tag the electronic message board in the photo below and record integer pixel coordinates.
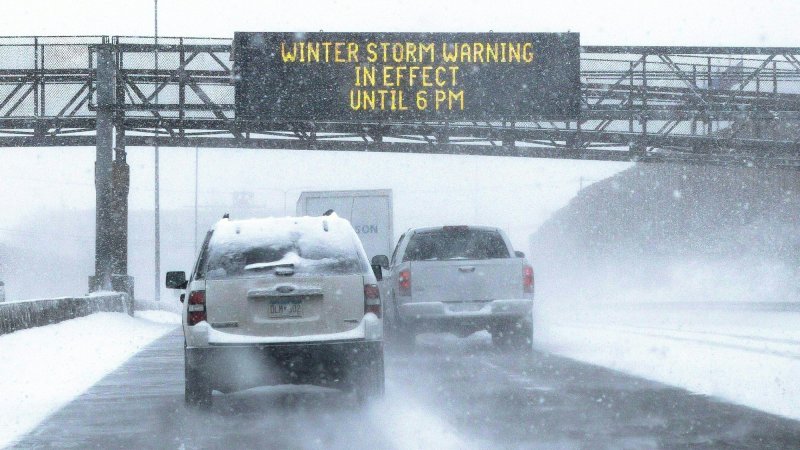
(406, 76)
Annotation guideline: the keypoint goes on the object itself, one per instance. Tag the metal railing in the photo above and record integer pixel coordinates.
(704, 104)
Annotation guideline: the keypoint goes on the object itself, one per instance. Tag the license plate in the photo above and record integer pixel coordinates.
(466, 306)
(282, 309)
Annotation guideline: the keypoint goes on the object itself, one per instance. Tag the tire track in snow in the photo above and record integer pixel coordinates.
(675, 336)
(410, 426)
(714, 333)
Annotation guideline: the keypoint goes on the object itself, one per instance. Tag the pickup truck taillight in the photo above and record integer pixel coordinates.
(196, 309)
(404, 283)
(372, 299)
(527, 279)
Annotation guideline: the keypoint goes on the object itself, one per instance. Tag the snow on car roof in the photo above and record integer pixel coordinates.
(310, 232)
(440, 227)
(310, 244)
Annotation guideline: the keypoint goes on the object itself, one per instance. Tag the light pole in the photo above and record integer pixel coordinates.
(286, 195)
(157, 206)
(196, 165)
(286, 192)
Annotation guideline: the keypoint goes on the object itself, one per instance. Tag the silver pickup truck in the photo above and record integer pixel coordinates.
(458, 279)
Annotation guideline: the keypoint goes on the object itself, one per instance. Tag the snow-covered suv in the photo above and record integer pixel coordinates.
(281, 301)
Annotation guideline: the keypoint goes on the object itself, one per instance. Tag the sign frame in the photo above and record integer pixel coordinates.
(378, 77)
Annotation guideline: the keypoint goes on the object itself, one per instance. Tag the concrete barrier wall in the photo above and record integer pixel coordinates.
(674, 233)
(168, 304)
(19, 315)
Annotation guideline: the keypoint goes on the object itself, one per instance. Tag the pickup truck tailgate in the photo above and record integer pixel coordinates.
(466, 280)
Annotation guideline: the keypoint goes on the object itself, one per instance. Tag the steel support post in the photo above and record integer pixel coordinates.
(572, 145)
(120, 281)
(508, 140)
(121, 179)
(104, 143)
(637, 150)
(119, 217)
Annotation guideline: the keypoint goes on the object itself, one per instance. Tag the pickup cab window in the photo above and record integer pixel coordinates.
(396, 248)
(447, 244)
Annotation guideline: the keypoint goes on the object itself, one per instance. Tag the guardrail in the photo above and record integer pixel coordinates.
(20, 315)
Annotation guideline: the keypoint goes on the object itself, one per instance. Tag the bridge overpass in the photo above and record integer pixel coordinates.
(707, 105)
(736, 105)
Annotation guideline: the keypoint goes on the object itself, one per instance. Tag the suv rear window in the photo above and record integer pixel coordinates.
(254, 249)
(456, 244)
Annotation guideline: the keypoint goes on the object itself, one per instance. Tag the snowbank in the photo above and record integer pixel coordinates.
(43, 368)
(731, 351)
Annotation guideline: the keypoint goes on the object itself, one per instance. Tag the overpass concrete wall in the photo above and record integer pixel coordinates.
(15, 316)
(664, 232)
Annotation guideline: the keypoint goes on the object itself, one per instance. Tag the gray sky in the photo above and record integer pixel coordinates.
(617, 22)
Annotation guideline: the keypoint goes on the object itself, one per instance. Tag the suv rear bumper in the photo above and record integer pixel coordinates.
(235, 367)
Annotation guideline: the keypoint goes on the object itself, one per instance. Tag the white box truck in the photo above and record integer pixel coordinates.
(369, 211)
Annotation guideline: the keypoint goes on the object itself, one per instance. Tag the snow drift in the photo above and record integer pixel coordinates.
(44, 368)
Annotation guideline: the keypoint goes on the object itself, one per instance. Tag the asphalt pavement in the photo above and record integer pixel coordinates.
(450, 392)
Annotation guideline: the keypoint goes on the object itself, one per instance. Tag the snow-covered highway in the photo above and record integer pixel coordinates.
(451, 393)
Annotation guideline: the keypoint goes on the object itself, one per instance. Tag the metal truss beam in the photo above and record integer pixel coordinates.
(665, 102)
(518, 150)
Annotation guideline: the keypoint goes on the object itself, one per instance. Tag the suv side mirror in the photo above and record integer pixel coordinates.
(380, 260)
(519, 254)
(176, 280)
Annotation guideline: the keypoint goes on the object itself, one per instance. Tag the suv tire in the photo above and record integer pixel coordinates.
(370, 382)
(197, 389)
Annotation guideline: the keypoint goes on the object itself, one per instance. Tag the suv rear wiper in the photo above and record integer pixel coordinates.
(280, 268)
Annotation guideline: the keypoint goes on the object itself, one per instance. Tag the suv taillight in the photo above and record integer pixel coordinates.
(196, 307)
(527, 279)
(372, 299)
(404, 282)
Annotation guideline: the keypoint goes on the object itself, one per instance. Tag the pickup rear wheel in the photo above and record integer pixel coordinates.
(405, 337)
(514, 336)
(500, 335)
(522, 336)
